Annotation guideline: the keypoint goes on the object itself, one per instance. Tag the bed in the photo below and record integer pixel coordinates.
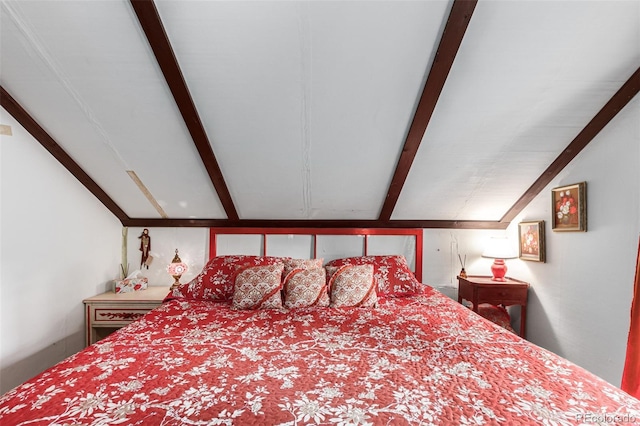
(373, 346)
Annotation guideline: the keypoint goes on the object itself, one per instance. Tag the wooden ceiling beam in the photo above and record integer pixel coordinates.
(24, 118)
(617, 102)
(154, 30)
(452, 36)
(285, 223)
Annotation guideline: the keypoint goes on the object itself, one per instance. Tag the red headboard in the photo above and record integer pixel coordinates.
(314, 232)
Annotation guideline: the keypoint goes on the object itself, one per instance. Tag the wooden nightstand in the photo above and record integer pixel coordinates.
(107, 312)
(482, 289)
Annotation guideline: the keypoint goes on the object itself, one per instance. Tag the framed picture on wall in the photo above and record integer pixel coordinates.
(569, 207)
(531, 241)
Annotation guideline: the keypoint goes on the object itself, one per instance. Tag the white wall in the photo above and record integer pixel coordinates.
(580, 299)
(440, 262)
(59, 245)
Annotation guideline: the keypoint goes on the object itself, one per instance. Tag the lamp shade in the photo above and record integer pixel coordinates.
(499, 249)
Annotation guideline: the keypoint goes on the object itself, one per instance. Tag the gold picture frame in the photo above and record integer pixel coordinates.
(569, 207)
(531, 241)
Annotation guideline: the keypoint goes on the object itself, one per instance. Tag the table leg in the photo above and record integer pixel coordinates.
(523, 321)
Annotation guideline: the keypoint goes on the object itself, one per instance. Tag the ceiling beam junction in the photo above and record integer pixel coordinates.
(154, 30)
(617, 102)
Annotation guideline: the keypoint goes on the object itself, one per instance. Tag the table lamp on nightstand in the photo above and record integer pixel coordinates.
(499, 249)
(176, 268)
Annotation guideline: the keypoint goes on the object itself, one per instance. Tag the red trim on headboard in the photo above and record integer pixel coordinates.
(366, 232)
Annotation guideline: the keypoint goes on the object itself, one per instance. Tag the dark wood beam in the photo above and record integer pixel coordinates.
(284, 223)
(154, 30)
(452, 36)
(617, 102)
(24, 118)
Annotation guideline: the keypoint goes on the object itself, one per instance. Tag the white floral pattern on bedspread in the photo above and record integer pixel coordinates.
(416, 360)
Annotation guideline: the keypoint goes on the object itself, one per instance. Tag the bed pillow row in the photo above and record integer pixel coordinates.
(261, 287)
(216, 281)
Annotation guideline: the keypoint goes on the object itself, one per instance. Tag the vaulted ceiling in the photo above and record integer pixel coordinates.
(317, 113)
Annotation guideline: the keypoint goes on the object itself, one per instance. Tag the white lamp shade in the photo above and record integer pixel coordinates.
(500, 248)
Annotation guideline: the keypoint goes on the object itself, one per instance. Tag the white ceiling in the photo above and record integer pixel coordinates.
(307, 104)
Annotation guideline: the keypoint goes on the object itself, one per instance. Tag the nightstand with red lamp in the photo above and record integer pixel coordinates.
(483, 289)
(497, 289)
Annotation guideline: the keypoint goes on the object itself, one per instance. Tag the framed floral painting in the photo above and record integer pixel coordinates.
(569, 206)
(531, 241)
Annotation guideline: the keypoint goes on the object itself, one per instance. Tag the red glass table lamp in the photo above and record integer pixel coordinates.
(499, 249)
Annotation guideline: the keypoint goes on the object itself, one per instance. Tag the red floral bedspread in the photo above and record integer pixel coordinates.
(414, 360)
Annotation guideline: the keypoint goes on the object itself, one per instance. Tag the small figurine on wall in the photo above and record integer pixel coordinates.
(145, 248)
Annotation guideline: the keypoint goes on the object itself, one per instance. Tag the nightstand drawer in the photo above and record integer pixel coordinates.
(118, 316)
(505, 296)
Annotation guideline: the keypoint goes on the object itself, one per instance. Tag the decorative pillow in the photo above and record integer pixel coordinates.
(290, 264)
(293, 264)
(352, 285)
(216, 280)
(306, 287)
(258, 287)
(392, 274)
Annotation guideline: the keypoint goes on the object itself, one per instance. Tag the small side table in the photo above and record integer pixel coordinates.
(107, 312)
(482, 289)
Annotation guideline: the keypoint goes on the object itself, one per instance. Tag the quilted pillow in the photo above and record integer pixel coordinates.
(305, 287)
(216, 280)
(258, 287)
(352, 285)
(392, 274)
